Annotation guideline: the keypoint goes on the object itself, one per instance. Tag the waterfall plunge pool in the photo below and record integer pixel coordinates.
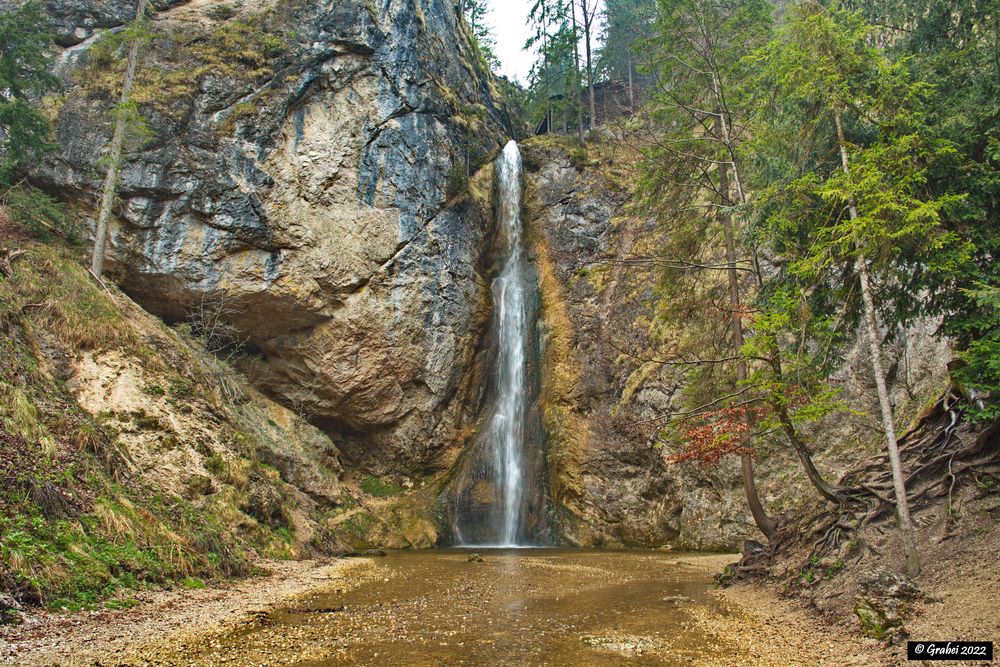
(542, 606)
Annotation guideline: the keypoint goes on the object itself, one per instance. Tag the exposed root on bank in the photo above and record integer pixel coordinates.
(943, 454)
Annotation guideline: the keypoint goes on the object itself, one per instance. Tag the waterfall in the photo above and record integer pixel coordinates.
(506, 429)
(498, 495)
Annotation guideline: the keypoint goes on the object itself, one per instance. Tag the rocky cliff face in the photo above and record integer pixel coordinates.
(603, 381)
(299, 177)
(616, 487)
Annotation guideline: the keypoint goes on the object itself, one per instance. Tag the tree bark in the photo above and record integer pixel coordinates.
(888, 425)
(576, 75)
(827, 490)
(587, 20)
(767, 525)
(631, 88)
(115, 154)
(548, 85)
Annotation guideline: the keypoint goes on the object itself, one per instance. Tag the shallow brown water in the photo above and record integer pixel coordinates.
(518, 607)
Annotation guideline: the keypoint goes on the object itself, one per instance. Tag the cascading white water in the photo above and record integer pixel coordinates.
(506, 430)
(498, 496)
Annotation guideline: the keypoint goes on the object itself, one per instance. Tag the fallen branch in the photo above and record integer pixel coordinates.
(106, 289)
(7, 258)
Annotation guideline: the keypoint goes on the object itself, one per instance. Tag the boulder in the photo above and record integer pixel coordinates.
(884, 603)
(303, 192)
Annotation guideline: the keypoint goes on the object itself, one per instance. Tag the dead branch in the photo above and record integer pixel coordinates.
(7, 257)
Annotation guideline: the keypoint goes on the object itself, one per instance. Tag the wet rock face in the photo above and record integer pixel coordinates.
(615, 484)
(298, 178)
(601, 382)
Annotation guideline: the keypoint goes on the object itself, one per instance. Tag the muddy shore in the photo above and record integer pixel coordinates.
(556, 609)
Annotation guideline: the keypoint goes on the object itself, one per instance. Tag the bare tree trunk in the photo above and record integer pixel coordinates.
(588, 18)
(576, 75)
(888, 425)
(765, 523)
(827, 490)
(548, 89)
(631, 87)
(115, 154)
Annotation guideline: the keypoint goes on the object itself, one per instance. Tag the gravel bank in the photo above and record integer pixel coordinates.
(169, 617)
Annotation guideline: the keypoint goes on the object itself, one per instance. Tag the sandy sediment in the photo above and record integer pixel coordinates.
(750, 625)
(765, 629)
(169, 617)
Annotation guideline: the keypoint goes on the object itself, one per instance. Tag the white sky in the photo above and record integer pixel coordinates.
(509, 21)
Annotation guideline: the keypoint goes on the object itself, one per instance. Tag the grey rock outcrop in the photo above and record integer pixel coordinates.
(884, 603)
(617, 486)
(301, 180)
(603, 386)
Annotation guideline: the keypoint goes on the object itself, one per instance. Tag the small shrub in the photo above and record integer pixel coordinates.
(458, 179)
(359, 524)
(147, 422)
(39, 213)
(221, 11)
(179, 387)
(215, 464)
(378, 487)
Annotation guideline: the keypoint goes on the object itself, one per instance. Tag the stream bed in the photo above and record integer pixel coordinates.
(515, 607)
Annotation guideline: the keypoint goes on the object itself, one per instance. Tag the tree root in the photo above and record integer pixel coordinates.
(942, 453)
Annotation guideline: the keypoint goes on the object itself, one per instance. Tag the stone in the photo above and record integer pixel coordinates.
(677, 599)
(752, 548)
(887, 583)
(10, 609)
(884, 603)
(311, 206)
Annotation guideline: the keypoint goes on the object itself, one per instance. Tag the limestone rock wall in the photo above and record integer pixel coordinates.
(300, 172)
(602, 383)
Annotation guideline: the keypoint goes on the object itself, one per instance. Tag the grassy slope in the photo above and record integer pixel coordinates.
(84, 508)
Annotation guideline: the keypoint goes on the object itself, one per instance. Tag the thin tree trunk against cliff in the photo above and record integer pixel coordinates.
(827, 490)
(765, 523)
(576, 75)
(888, 425)
(631, 89)
(115, 154)
(548, 89)
(812, 473)
(588, 19)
